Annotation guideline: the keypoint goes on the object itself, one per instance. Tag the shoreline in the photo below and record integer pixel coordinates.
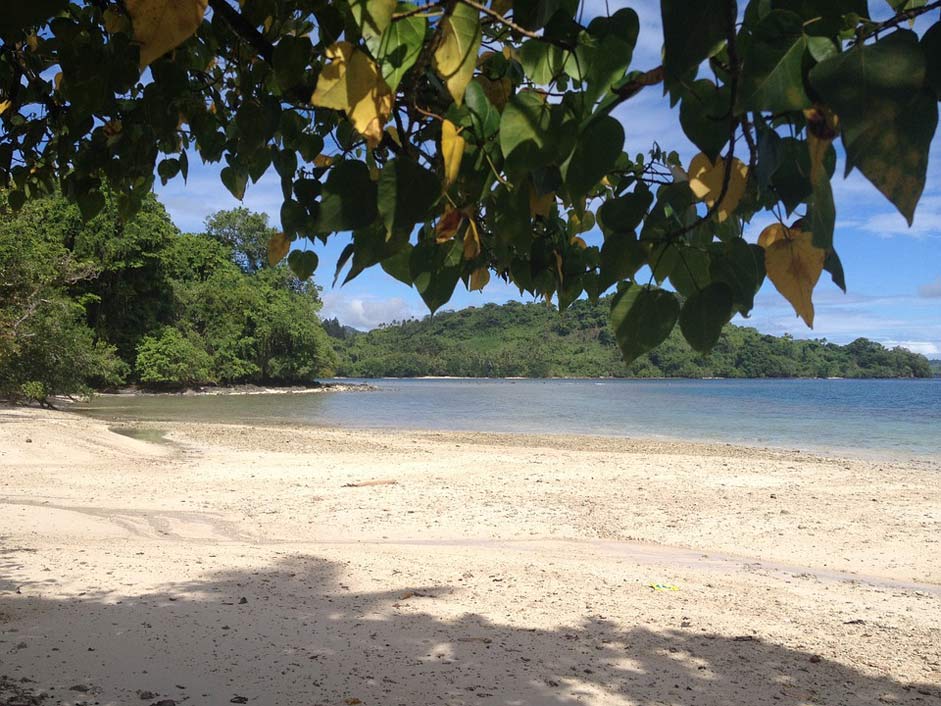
(308, 565)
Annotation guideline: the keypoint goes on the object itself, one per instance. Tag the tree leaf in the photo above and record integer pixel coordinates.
(626, 212)
(704, 116)
(435, 271)
(351, 82)
(772, 77)
(793, 265)
(162, 25)
(406, 193)
(596, 151)
(886, 115)
(621, 256)
(302, 263)
(452, 151)
(642, 318)
(278, 246)
(235, 180)
(456, 55)
(692, 31)
(399, 46)
(478, 279)
(17, 16)
(834, 266)
(372, 17)
(348, 201)
(741, 266)
(931, 44)
(706, 178)
(704, 314)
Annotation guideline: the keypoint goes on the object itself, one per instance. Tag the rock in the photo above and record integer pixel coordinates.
(79, 687)
(164, 702)
(238, 699)
(146, 695)
(815, 658)
(243, 600)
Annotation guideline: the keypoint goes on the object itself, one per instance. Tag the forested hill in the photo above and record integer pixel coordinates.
(532, 340)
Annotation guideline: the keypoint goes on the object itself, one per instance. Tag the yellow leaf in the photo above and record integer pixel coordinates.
(452, 151)
(116, 21)
(471, 241)
(456, 55)
(57, 80)
(278, 247)
(498, 91)
(4, 106)
(323, 161)
(706, 178)
(479, 279)
(540, 205)
(448, 225)
(32, 41)
(351, 82)
(162, 25)
(822, 126)
(578, 242)
(793, 265)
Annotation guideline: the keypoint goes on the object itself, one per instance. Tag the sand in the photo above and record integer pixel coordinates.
(242, 564)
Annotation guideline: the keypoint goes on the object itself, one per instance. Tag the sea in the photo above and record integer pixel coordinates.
(887, 419)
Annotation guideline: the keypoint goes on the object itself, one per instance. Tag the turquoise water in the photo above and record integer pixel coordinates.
(884, 418)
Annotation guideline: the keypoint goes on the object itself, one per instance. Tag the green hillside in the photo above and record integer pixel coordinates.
(533, 340)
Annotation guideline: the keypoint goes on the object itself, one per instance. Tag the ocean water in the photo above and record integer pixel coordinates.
(898, 419)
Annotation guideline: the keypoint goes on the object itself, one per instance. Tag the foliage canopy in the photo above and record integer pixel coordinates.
(530, 340)
(459, 138)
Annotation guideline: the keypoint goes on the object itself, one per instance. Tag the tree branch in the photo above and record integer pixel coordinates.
(243, 28)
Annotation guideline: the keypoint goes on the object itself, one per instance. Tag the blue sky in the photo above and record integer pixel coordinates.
(893, 272)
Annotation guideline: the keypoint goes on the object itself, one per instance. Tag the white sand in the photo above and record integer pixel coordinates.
(508, 570)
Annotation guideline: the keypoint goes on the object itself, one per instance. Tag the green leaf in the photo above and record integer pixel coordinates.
(822, 212)
(406, 193)
(290, 60)
(704, 116)
(435, 270)
(542, 62)
(887, 117)
(739, 265)
(596, 151)
(293, 217)
(398, 265)
(791, 179)
(691, 271)
(693, 31)
(372, 16)
(524, 129)
(534, 14)
(621, 256)
(399, 46)
(235, 181)
(931, 45)
(484, 117)
(642, 318)
(302, 263)
(90, 203)
(625, 212)
(771, 78)
(704, 314)
(608, 53)
(349, 199)
(834, 266)
(19, 15)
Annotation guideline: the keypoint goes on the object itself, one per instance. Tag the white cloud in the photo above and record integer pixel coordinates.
(927, 223)
(932, 290)
(366, 312)
(926, 348)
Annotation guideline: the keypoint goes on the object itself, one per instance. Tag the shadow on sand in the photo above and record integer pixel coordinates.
(295, 635)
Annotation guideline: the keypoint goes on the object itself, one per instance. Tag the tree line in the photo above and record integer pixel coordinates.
(533, 340)
(108, 302)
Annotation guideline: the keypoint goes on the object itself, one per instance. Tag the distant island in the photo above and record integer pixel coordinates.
(534, 340)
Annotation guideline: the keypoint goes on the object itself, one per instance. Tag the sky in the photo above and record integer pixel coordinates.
(893, 272)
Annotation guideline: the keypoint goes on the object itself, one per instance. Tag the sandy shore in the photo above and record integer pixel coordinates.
(251, 565)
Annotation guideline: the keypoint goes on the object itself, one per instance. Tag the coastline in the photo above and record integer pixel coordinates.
(800, 576)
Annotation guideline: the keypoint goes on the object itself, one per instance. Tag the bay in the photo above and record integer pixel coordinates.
(893, 419)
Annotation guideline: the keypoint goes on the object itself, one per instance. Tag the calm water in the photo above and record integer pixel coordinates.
(887, 418)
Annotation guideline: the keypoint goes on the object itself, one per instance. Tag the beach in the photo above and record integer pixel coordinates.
(303, 565)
